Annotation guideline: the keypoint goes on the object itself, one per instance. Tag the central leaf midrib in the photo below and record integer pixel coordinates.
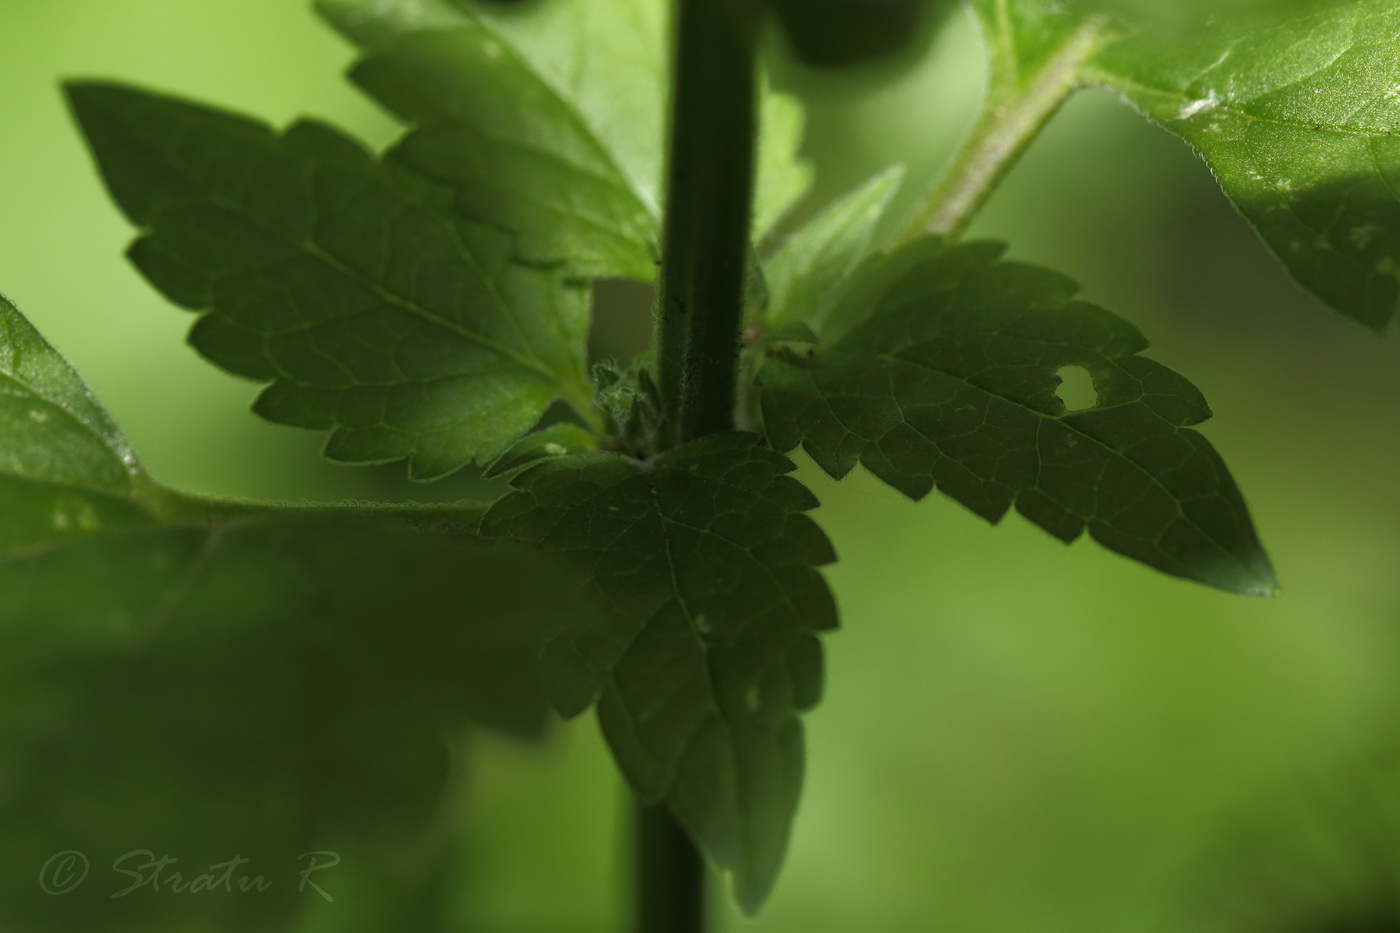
(431, 316)
(717, 708)
(892, 358)
(662, 523)
(1112, 80)
(580, 119)
(316, 250)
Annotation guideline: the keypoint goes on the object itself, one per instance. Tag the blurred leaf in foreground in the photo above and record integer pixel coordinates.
(208, 680)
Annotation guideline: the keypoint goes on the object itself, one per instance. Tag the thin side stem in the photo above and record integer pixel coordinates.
(709, 192)
(1012, 116)
(670, 876)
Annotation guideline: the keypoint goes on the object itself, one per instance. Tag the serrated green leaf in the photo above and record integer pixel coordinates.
(1299, 124)
(209, 680)
(548, 122)
(783, 176)
(403, 331)
(946, 376)
(805, 275)
(66, 472)
(706, 561)
(526, 145)
(557, 440)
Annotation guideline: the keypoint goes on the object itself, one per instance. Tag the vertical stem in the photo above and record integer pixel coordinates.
(709, 189)
(699, 313)
(670, 876)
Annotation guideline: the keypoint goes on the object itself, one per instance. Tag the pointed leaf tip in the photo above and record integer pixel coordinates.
(946, 377)
(1298, 122)
(709, 562)
(371, 310)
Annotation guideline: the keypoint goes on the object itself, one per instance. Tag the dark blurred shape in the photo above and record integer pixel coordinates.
(256, 691)
(1390, 923)
(833, 33)
(1320, 858)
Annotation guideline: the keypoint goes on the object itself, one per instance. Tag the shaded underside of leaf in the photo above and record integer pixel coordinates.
(707, 563)
(405, 332)
(950, 381)
(1299, 122)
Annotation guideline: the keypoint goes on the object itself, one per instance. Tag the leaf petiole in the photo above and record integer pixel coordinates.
(1013, 114)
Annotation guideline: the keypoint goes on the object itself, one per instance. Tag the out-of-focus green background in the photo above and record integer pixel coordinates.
(1017, 735)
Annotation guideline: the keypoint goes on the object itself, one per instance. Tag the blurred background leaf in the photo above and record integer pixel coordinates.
(833, 33)
(1068, 752)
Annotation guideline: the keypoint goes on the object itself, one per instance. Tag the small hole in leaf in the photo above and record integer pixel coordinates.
(1076, 388)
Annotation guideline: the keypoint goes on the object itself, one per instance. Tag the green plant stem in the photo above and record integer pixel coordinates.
(708, 201)
(670, 876)
(699, 313)
(1013, 114)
